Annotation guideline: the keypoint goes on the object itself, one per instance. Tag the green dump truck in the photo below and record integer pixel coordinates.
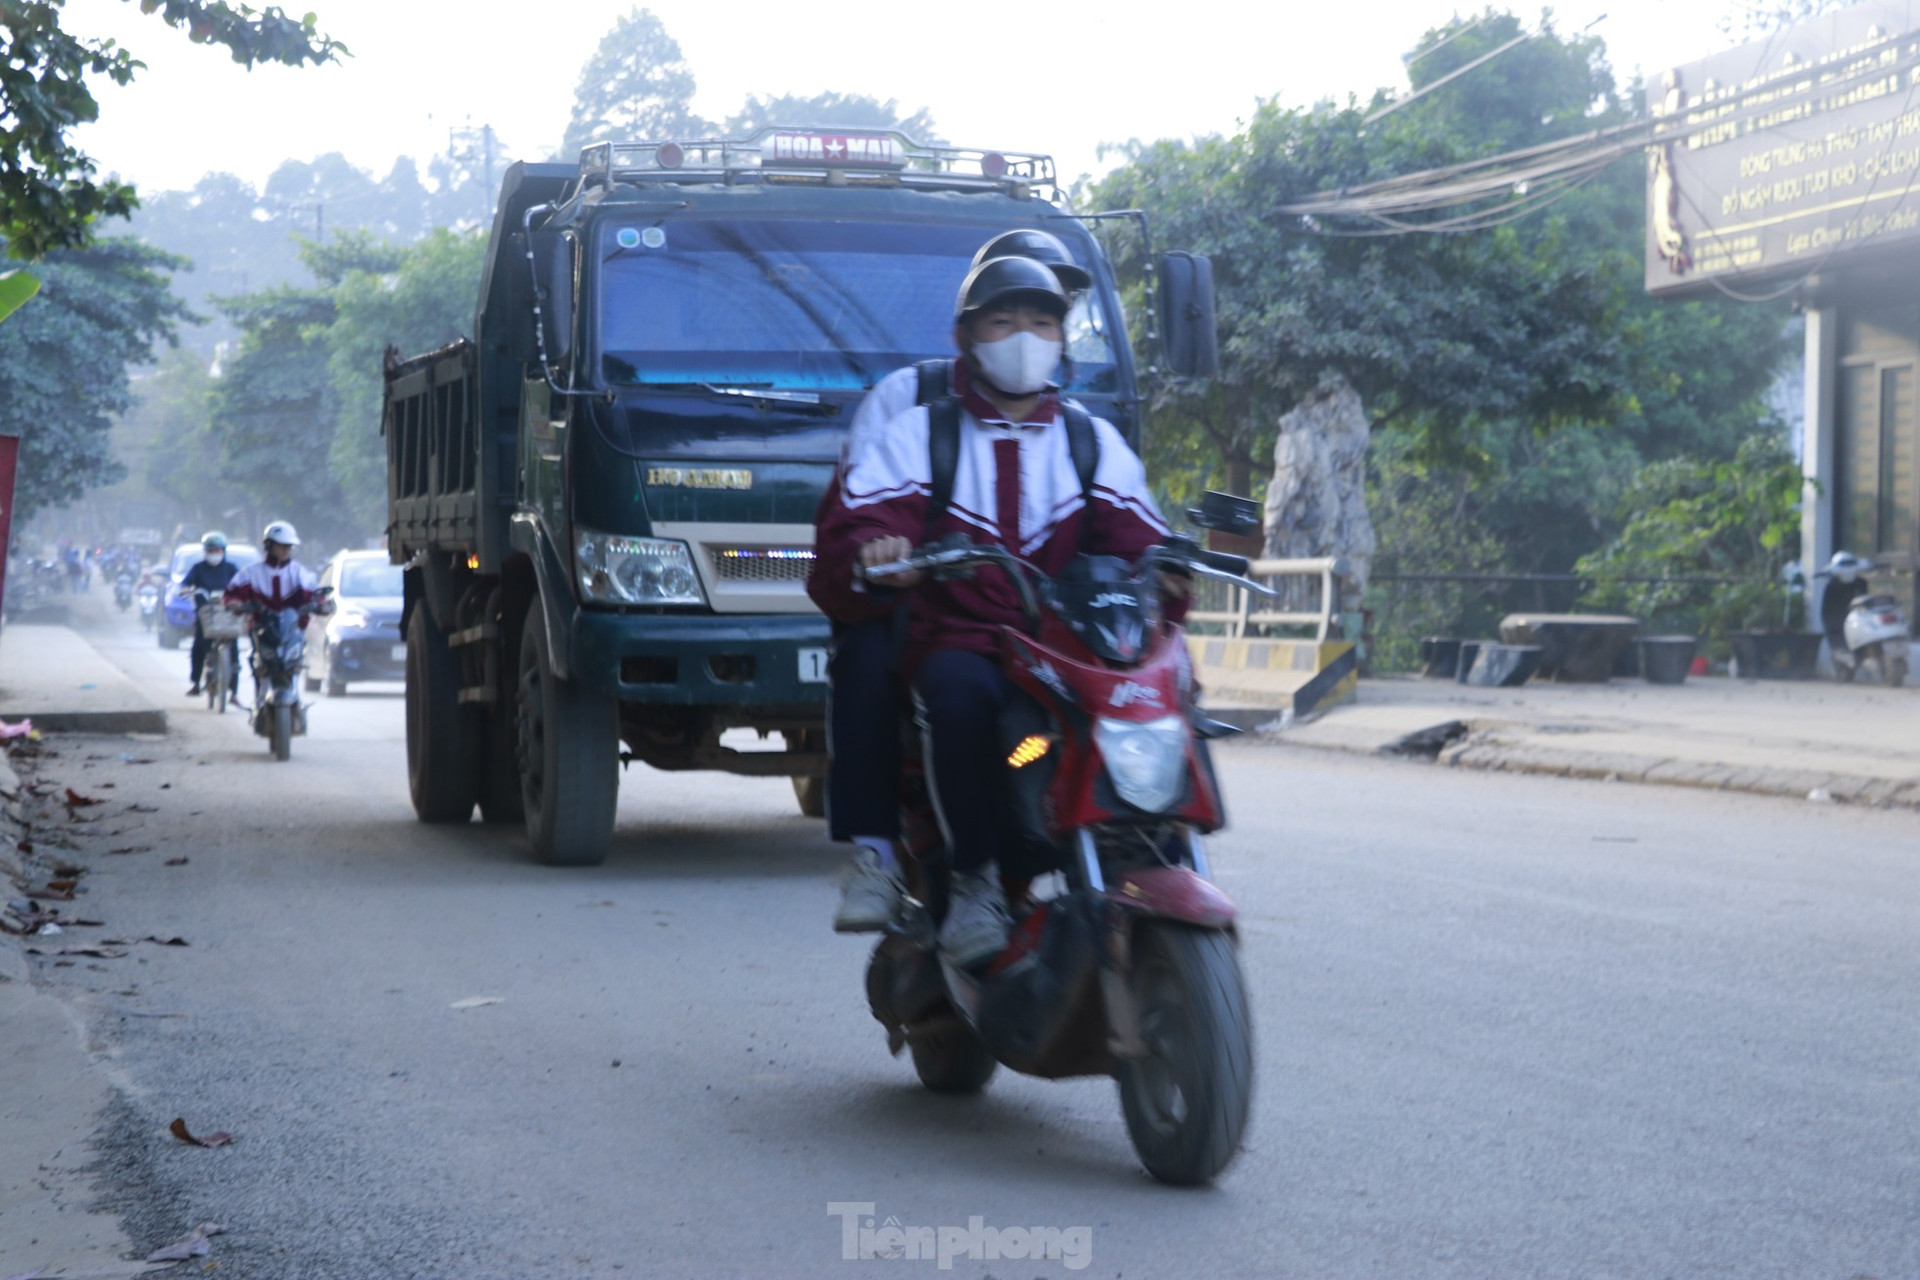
(604, 499)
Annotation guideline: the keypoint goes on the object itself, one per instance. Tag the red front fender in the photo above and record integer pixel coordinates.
(1173, 893)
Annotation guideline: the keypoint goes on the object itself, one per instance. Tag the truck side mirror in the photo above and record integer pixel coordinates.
(1187, 338)
(553, 290)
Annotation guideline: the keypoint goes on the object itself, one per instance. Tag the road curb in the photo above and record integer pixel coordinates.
(127, 720)
(1483, 748)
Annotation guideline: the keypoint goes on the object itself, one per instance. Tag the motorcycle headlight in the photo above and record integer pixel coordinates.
(1146, 759)
(613, 568)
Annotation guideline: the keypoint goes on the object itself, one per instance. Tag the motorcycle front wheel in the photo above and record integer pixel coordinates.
(953, 1059)
(282, 727)
(1186, 1101)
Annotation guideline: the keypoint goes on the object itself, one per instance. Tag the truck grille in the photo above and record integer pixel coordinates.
(762, 564)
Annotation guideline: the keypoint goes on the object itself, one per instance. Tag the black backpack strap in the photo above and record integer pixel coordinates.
(1083, 446)
(936, 380)
(943, 454)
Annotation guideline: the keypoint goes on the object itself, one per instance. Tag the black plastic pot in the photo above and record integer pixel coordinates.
(1503, 665)
(1775, 655)
(1440, 657)
(1665, 659)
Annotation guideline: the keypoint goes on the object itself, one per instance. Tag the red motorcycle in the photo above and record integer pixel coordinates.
(1123, 957)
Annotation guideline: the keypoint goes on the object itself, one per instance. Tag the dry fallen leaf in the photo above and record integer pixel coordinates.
(77, 801)
(191, 1245)
(474, 1002)
(179, 1130)
(101, 952)
(132, 848)
(177, 862)
(166, 942)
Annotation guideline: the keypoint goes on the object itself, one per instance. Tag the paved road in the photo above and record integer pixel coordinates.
(1506, 1027)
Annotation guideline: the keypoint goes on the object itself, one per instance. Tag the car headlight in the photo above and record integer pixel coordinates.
(1146, 759)
(613, 568)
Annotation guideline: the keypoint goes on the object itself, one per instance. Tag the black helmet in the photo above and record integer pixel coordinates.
(1004, 280)
(1043, 247)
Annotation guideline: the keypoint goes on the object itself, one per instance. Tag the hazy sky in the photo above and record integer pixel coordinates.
(1054, 77)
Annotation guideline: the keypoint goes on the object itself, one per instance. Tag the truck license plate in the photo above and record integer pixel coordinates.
(399, 653)
(813, 666)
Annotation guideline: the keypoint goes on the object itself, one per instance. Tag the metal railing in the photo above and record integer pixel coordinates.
(1220, 604)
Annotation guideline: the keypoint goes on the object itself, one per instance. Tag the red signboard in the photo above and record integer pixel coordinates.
(9, 458)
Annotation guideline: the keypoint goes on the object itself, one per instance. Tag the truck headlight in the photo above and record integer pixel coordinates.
(613, 568)
(1147, 760)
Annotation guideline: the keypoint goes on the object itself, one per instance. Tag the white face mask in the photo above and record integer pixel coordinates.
(215, 557)
(1018, 365)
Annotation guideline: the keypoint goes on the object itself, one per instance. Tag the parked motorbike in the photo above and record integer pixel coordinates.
(279, 655)
(148, 594)
(1123, 958)
(1867, 632)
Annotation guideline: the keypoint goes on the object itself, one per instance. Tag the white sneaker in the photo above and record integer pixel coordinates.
(869, 895)
(977, 920)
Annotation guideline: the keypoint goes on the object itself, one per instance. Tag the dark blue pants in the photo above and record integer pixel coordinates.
(863, 733)
(959, 697)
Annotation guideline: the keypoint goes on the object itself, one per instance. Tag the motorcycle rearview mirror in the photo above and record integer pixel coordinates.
(1225, 513)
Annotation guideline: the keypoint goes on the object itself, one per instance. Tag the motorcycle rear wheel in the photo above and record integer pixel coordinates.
(953, 1059)
(1186, 1102)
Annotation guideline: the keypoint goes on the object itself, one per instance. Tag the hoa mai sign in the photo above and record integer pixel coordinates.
(1788, 155)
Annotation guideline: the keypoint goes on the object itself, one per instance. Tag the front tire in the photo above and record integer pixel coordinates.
(443, 764)
(1186, 1102)
(810, 791)
(953, 1059)
(222, 664)
(1896, 667)
(567, 745)
(282, 731)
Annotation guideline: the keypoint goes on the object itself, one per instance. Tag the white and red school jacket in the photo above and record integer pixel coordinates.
(1015, 485)
(288, 586)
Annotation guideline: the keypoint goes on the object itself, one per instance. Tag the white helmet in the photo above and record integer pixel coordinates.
(1846, 566)
(281, 532)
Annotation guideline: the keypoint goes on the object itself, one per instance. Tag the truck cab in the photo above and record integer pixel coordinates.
(604, 501)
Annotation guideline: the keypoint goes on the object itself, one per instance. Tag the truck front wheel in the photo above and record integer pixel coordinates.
(567, 741)
(443, 763)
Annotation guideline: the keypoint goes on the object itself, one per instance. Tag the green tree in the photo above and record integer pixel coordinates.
(270, 413)
(297, 408)
(49, 195)
(843, 110)
(426, 300)
(1686, 521)
(635, 86)
(64, 362)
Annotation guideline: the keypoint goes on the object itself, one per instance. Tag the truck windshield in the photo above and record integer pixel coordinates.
(785, 302)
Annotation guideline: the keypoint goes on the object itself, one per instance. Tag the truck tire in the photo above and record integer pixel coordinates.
(810, 790)
(567, 747)
(443, 759)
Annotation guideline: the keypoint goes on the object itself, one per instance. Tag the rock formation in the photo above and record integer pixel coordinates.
(1317, 502)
